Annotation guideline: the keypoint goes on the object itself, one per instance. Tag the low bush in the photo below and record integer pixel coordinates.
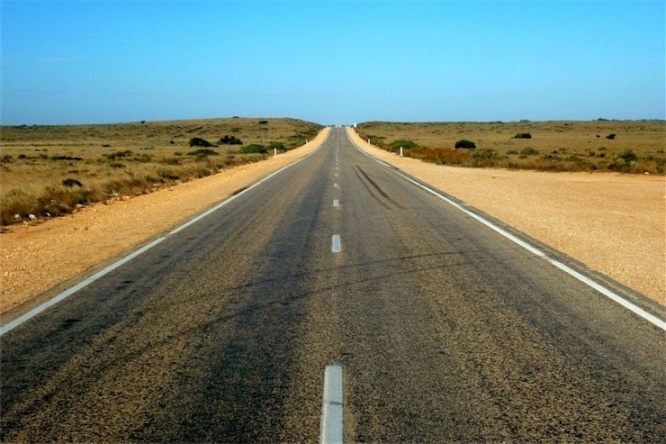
(64, 157)
(465, 144)
(198, 141)
(118, 155)
(375, 140)
(71, 183)
(529, 151)
(484, 154)
(277, 146)
(484, 157)
(523, 136)
(628, 156)
(402, 143)
(253, 149)
(625, 162)
(230, 140)
(144, 158)
(167, 174)
(443, 156)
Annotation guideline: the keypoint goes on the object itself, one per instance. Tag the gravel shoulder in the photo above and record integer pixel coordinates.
(614, 224)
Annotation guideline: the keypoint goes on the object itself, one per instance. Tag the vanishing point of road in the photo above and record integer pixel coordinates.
(444, 329)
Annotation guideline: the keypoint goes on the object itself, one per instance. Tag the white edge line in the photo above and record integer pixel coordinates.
(84, 283)
(332, 407)
(570, 271)
(70, 291)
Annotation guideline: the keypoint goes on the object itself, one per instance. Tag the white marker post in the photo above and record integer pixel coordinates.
(400, 151)
(274, 153)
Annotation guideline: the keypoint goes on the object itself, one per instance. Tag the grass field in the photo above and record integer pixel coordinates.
(601, 145)
(48, 171)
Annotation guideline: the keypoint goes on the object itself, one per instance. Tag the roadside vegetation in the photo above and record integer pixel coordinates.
(48, 171)
(603, 145)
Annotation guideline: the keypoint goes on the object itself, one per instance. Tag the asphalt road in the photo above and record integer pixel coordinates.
(445, 330)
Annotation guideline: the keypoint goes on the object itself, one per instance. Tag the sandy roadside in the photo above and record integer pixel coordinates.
(36, 258)
(613, 223)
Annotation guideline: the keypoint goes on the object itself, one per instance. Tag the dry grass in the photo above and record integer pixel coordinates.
(117, 161)
(637, 147)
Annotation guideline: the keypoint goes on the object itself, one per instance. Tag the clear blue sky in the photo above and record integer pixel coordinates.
(331, 61)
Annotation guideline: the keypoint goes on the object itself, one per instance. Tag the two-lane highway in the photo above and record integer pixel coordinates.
(445, 330)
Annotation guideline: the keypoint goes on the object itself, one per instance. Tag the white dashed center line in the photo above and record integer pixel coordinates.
(336, 246)
(336, 203)
(331, 416)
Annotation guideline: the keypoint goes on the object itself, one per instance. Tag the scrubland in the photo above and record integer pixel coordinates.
(47, 171)
(603, 145)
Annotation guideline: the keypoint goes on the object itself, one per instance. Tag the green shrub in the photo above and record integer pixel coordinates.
(442, 156)
(253, 149)
(198, 141)
(144, 158)
(168, 174)
(118, 155)
(661, 166)
(230, 140)
(625, 162)
(529, 151)
(484, 157)
(277, 146)
(170, 161)
(375, 140)
(628, 156)
(70, 183)
(465, 144)
(484, 154)
(402, 143)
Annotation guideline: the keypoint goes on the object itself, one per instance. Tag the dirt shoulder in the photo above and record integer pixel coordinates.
(37, 258)
(613, 223)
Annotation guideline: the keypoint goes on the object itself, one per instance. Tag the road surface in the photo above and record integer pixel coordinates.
(445, 330)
